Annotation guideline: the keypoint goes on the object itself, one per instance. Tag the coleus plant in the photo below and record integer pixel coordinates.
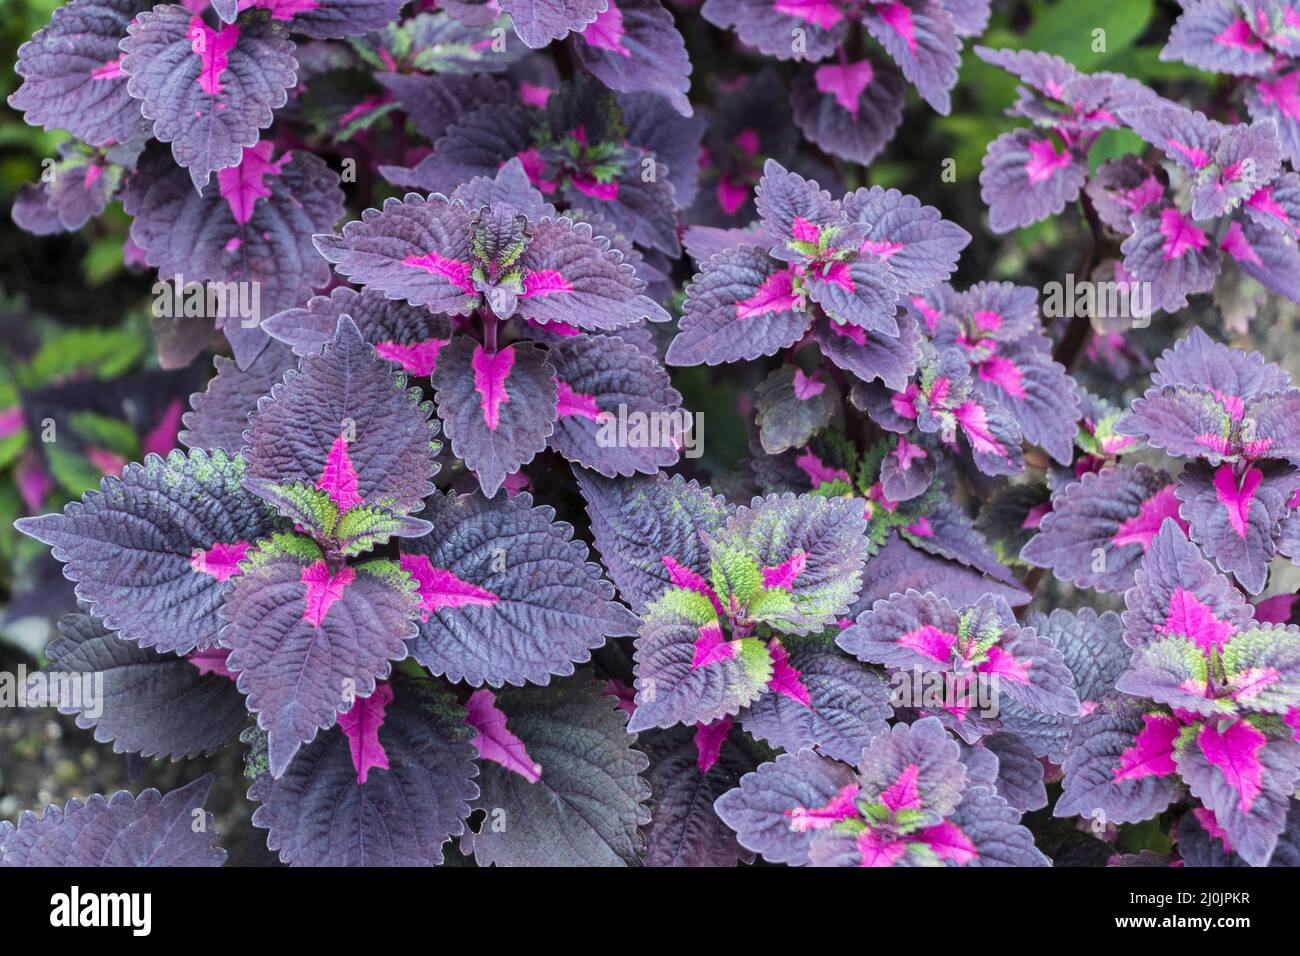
(1205, 707)
(411, 656)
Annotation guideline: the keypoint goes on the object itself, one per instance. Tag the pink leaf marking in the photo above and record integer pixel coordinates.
(221, 561)
(921, 527)
(625, 695)
(457, 273)
(821, 13)
(902, 793)
(1238, 246)
(588, 186)
(786, 679)
(930, 641)
(818, 472)
(1250, 683)
(360, 724)
(11, 421)
(112, 70)
(1152, 753)
(1004, 666)
(1194, 154)
(490, 374)
(1036, 514)
(1005, 374)
(213, 50)
(783, 574)
(776, 294)
(438, 588)
(1194, 619)
(948, 842)
(418, 358)
(324, 588)
(974, 420)
(1210, 824)
(801, 230)
(1044, 161)
(534, 166)
(805, 387)
(878, 850)
(1234, 497)
(339, 477)
(211, 661)
(1284, 93)
(681, 576)
(494, 741)
(544, 282)
(708, 742)
(161, 439)
(1239, 34)
(1235, 751)
(899, 19)
(108, 462)
(570, 403)
(243, 185)
(533, 95)
(732, 195)
(711, 647)
(1144, 525)
(845, 82)
(1180, 235)
(1276, 609)
(841, 806)
(606, 31)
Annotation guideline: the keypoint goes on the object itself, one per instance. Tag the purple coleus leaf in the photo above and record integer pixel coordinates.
(1019, 777)
(600, 379)
(634, 47)
(566, 817)
(742, 305)
(81, 189)
(1208, 402)
(1028, 176)
(770, 25)
(152, 829)
(505, 595)
(308, 638)
(848, 703)
(499, 408)
(72, 73)
(407, 335)
(1176, 591)
(152, 704)
(1093, 649)
(1244, 778)
(1235, 513)
(342, 440)
(327, 19)
(850, 110)
(687, 670)
(1170, 253)
(401, 815)
(1119, 767)
(219, 415)
(649, 531)
(246, 235)
(792, 407)
(982, 643)
(209, 92)
(872, 356)
(919, 245)
(1220, 37)
(538, 23)
(154, 586)
(685, 829)
(923, 40)
(1100, 527)
(761, 808)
